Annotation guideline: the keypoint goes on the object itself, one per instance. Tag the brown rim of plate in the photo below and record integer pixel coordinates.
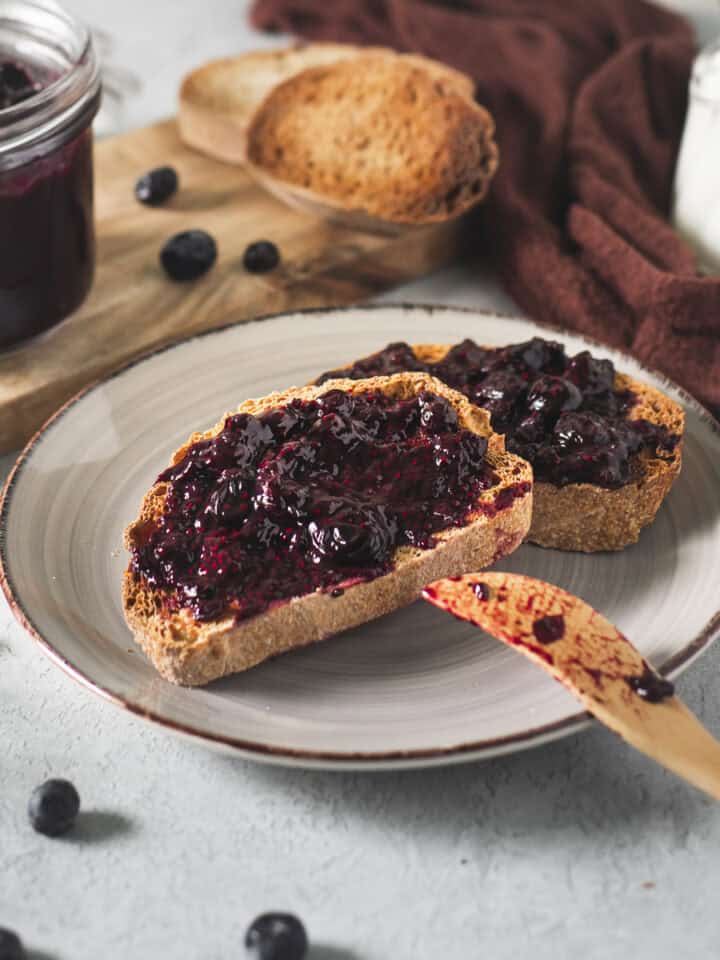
(533, 736)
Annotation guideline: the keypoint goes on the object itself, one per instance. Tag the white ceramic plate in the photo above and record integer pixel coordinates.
(413, 689)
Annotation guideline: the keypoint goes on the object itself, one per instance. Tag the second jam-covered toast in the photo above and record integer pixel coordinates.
(605, 448)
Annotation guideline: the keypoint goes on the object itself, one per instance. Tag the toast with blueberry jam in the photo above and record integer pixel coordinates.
(314, 510)
(605, 448)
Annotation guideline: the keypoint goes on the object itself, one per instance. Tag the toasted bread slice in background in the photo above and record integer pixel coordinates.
(588, 518)
(377, 135)
(217, 99)
(186, 651)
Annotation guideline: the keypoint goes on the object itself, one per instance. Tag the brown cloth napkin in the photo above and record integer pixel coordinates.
(589, 100)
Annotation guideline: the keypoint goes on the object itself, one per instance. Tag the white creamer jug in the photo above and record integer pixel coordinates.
(696, 191)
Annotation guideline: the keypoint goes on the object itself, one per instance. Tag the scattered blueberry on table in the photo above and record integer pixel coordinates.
(53, 807)
(188, 255)
(260, 257)
(11, 947)
(156, 186)
(276, 936)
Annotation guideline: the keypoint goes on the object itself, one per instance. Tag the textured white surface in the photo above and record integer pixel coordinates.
(579, 849)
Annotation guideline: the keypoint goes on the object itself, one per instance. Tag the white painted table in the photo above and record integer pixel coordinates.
(581, 848)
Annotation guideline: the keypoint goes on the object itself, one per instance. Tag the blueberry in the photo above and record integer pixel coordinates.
(156, 186)
(436, 415)
(395, 358)
(11, 947)
(530, 429)
(53, 807)
(337, 401)
(461, 365)
(276, 936)
(538, 355)
(551, 395)
(590, 373)
(261, 257)
(500, 393)
(575, 430)
(188, 255)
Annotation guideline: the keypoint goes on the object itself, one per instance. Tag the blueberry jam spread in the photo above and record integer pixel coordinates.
(481, 590)
(651, 686)
(16, 84)
(313, 495)
(561, 413)
(550, 628)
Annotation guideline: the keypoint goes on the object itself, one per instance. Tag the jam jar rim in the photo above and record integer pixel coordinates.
(60, 109)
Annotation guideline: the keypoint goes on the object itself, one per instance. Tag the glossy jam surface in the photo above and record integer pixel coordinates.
(651, 686)
(481, 590)
(561, 413)
(310, 496)
(46, 227)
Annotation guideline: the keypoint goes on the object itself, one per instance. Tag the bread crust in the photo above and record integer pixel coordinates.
(379, 136)
(584, 517)
(188, 652)
(217, 100)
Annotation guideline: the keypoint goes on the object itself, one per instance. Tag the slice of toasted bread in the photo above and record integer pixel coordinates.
(377, 135)
(186, 651)
(217, 99)
(588, 518)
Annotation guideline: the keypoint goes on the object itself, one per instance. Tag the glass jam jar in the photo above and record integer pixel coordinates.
(49, 94)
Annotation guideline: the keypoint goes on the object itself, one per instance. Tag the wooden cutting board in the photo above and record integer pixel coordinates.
(133, 308)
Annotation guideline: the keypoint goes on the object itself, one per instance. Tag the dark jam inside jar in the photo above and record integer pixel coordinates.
(47, 241)
(315, 495)
(17, 83)
(563, 414)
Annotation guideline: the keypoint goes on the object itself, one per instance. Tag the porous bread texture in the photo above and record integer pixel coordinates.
(188, 652)
(216, 101)
(587, 518)
(380, 136)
